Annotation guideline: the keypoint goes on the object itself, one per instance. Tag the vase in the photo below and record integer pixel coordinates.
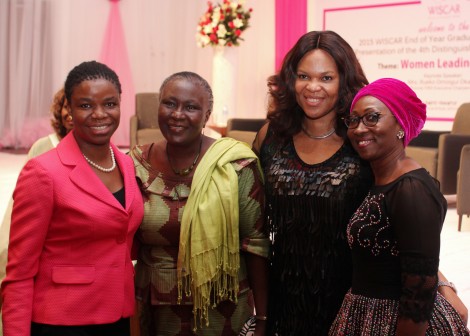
(224, 82)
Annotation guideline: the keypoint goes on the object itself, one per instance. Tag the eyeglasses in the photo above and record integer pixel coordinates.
(369, 119)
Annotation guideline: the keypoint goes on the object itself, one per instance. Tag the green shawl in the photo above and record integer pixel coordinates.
(209, 247)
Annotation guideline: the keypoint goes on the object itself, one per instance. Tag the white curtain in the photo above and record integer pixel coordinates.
(25, 66)
(42, 40)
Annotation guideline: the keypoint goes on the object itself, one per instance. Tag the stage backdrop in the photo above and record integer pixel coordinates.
(424, 43)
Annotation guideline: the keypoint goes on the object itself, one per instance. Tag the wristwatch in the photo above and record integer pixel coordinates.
(447, 284)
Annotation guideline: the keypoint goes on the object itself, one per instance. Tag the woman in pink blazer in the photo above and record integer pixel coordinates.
(76, 209)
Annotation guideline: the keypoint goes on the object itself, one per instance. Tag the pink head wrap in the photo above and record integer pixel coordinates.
(401, 100)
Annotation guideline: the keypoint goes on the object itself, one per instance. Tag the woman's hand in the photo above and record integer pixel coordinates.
(452, 297)
(455, 301)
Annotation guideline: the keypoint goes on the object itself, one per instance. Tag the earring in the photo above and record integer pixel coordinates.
(400, 134)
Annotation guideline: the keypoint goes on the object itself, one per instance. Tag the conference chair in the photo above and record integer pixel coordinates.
(144, 124)
(439, 152)
(449, 150)
(423, 149)
(463, 185)
(244, 129)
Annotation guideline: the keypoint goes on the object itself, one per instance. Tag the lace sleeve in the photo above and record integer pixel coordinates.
(417, 210)
(419, 286)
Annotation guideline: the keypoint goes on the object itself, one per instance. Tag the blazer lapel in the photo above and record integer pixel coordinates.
(82, 175)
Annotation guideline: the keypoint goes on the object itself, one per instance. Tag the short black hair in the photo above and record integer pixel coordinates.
(191, 76)
(88, 71)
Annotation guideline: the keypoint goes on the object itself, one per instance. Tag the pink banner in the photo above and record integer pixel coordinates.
(291, 24)
(114, 54)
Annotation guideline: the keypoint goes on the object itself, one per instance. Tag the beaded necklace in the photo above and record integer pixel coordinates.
(186, 171)
(319, 137)
(97, 166)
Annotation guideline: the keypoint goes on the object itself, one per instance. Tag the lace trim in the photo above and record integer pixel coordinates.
(419, 288)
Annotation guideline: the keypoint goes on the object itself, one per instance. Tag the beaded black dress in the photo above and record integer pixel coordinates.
(308, 208)
(395, 240)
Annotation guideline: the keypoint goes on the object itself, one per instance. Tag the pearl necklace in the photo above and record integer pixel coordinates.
(186, 171)
(319, 137)
(97, 166)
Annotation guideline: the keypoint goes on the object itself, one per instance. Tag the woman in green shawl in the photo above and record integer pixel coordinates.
(202, 244)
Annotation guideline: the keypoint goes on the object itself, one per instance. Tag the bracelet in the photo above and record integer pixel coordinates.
(261, 317)
(447, 284)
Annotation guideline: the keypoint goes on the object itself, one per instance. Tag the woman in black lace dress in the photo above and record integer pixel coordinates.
(314, 182)
(395, 233)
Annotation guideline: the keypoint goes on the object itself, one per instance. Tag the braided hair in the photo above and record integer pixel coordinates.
(89, 71)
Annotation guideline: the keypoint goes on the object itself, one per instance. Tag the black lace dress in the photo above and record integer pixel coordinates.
(395, 240)
(308, 208)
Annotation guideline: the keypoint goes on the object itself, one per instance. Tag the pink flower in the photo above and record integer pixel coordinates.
(223, 23)
(213, 38)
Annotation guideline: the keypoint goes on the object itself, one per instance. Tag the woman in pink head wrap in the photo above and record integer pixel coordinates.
(401, 100)
(395, 233)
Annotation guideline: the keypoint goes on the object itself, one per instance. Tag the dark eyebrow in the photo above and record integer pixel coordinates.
(371, 110)
(83, 99)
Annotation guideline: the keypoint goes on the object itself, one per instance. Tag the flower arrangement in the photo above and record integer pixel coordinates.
(223, 24)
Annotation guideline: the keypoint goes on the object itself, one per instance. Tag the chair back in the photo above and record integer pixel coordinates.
(244, 129)
(146, 109)
(245, 124)
(463, 185)
(450, 147)
(461, 123)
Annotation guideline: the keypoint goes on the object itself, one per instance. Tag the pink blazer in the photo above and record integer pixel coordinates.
(69, 254)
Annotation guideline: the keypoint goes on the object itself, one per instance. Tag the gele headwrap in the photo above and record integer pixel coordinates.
(401, 100)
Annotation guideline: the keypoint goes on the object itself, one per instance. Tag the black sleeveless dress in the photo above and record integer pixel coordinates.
(308, 208)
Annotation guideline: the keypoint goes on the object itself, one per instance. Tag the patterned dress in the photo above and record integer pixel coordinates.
(158, 237)
(308, 208)
(395, 239)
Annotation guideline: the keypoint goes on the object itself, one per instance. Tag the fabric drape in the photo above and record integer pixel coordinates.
(25, 67)
(291, 24)
(114, 54)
